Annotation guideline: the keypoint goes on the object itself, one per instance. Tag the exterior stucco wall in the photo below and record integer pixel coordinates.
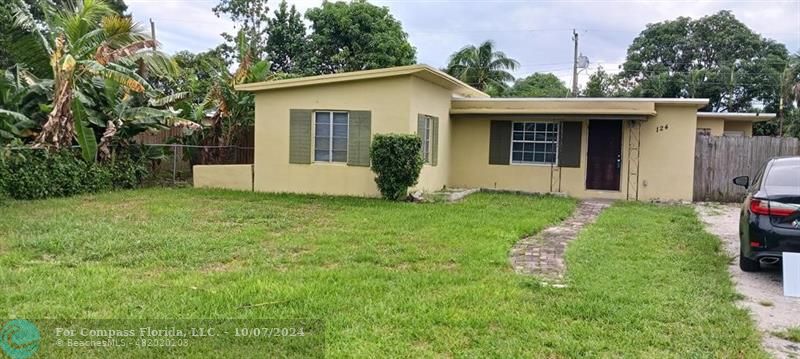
(745, 127)
(714, 124)
(238, 177)
(433, 100)
(666, 161)
(394, 103)
(470, 167)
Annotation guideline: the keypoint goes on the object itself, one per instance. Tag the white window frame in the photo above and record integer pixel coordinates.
(426, 140)
(534, 162)
(330, 137)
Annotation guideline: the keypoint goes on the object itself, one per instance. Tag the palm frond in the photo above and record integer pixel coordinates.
(93, 10)
(32, 50)
(156, 62)
(123, 77)
(116, 25)
(106, 54)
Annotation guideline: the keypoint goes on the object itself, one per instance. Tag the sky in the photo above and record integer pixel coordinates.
(537, 33)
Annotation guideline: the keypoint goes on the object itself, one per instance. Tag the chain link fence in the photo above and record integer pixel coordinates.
(175, 166)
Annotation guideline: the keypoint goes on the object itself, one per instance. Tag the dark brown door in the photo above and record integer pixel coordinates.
(604, 157)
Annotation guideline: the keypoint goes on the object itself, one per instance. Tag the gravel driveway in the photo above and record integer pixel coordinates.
(763, 291)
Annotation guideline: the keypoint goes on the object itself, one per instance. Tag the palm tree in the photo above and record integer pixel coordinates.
(482, 67)
(86, 43)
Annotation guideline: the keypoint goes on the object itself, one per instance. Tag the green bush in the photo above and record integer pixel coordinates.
(128, 172)
(35, 174)
(397, 161)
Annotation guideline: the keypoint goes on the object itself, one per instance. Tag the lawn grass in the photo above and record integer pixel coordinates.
(387, 279)
(791, 334)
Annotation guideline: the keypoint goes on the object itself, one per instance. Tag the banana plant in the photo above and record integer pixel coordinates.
(20, 96)
(84, 42)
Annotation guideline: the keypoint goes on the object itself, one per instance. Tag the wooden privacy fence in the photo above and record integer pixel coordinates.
(717, 160)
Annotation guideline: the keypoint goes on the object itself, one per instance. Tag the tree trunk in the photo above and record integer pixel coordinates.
(59, 129)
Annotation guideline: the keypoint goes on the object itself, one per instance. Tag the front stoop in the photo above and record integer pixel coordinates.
(543, 253)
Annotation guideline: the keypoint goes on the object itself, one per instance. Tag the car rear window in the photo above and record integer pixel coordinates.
(788, 175)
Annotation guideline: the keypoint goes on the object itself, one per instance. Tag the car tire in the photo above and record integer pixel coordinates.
(748, 265)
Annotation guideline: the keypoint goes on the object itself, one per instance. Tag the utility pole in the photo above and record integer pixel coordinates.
(780, 103)
(730, 97)
(153, 32)
(575, 65)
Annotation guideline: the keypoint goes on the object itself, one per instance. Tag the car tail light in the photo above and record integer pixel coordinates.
(772, 208)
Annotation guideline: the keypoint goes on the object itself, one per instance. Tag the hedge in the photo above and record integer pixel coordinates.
(35, 174)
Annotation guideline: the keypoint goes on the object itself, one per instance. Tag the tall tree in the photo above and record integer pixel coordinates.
(715, 57)
(356, 36)
(482, 67)
(603, 84)
(250, 19)
(539, 85)
(287, 49)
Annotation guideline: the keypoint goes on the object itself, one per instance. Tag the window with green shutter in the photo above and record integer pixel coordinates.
(330, 136)
(428, 132)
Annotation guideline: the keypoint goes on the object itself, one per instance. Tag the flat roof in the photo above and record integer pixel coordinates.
(700, 102)
(738, 116)
(423, 71)
(568, 106)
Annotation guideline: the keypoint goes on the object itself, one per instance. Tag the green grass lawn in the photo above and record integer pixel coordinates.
(791, 334)
(387, 279)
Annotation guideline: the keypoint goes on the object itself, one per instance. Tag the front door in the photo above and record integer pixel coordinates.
(604, 156)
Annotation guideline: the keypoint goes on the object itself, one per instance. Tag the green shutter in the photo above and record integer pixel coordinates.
(359, 137)
(421, 125)
(300, 136)
(421, 131)
(434, 141)
(569, 145)
(500, 143)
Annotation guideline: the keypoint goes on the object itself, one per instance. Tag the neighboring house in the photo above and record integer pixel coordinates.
(312, 135)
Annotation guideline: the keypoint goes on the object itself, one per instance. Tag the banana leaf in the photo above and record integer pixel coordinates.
(84, 133)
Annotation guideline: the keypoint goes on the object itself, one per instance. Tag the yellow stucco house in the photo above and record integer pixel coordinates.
(312, 135)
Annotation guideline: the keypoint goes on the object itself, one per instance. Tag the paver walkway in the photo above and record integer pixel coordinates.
(543, 253)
